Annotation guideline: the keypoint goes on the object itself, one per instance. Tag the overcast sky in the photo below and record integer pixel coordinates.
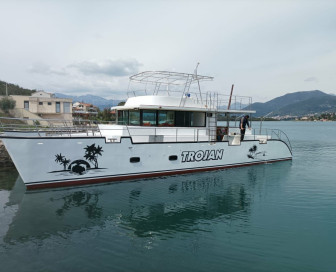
(266, 48)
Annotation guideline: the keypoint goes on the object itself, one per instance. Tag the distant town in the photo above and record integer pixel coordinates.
(324, 117)
(25, 103)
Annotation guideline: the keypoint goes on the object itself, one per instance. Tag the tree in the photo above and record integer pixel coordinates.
(14, 89)
(7, 103)
(106, 115)
(92, 152)
(62, 160)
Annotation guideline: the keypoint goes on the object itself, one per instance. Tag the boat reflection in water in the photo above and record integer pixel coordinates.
(159, 207)
(8, 176)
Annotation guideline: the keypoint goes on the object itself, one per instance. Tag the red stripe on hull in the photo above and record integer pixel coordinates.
(70, 183)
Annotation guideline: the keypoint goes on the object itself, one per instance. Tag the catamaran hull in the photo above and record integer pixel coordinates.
(58, 162)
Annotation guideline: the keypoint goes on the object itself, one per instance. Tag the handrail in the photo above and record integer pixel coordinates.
(138, 134)
(273, 133)
(212, 99)
(54, 127)
(283, 136)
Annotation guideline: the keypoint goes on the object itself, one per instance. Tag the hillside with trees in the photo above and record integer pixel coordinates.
(297, 104)
(14, 89)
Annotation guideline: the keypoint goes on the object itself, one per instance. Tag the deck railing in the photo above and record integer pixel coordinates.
(49, 127)
(80, 128)
(272, 134)
(212, 100)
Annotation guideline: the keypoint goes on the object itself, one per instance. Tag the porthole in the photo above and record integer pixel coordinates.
(135, 159)
(173, 158)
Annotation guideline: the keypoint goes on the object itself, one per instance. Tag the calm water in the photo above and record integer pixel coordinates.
(272, 217)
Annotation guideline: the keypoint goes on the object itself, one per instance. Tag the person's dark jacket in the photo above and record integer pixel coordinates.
(245, 122)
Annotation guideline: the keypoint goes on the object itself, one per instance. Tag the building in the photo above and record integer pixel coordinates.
(84, 110)
(42, 105)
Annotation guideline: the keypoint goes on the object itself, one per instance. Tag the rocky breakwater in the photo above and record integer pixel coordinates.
(5, 159)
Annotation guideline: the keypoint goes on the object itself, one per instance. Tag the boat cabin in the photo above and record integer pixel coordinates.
(174, 110)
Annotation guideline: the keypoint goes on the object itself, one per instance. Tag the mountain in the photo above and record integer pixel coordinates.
(14, 89)
(294, 104)
(297, 104)
(97, 101)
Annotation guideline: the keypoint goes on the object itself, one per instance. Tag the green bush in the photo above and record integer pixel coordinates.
(7, 104)
(106, 115)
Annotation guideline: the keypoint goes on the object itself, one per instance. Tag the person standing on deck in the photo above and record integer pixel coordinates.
(243, 122)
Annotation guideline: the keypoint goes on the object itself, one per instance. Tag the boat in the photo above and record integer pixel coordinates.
(167, 127)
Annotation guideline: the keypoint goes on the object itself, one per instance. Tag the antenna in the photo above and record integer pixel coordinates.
(262, 118)
(195, 72)
(199, 87)
(229, 105)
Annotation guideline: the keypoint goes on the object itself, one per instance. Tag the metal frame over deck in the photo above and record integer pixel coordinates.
(167, 78)
(180, 83)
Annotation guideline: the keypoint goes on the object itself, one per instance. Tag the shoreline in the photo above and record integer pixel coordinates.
(5, 159)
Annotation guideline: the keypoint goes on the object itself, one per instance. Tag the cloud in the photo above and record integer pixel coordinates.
(117, 68)
(44, 69)
(78, 84)
(106, 78)
(311, 79)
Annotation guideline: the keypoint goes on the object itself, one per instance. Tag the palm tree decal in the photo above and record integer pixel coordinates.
(254, 154)
(62, 160)
(92, 152)
(80, 166)
(253, 149)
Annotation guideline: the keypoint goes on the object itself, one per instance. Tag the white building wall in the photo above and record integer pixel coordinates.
(44, 105)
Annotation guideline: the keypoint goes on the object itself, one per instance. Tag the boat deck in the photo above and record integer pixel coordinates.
(140, 134)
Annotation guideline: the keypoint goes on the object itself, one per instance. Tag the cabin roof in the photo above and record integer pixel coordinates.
(156, 107)
(176, 104)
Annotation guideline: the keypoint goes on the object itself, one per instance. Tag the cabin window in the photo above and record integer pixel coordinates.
(189, 119)
(149, 118)
(182, 119)
(122, 117)
(198, 119)
(134, 117)
(166, 118)
(173, 158)
(161, 118)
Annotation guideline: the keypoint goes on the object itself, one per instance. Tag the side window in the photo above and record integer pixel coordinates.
(149, 118)
(189, 119)
(166, 118)
(134, 117)
(198, 119)
(183, 118)
(122, 117)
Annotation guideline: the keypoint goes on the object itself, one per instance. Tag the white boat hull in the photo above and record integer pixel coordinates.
(36, 158)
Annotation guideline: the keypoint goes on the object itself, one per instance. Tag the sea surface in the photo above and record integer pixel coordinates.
(271, 217)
